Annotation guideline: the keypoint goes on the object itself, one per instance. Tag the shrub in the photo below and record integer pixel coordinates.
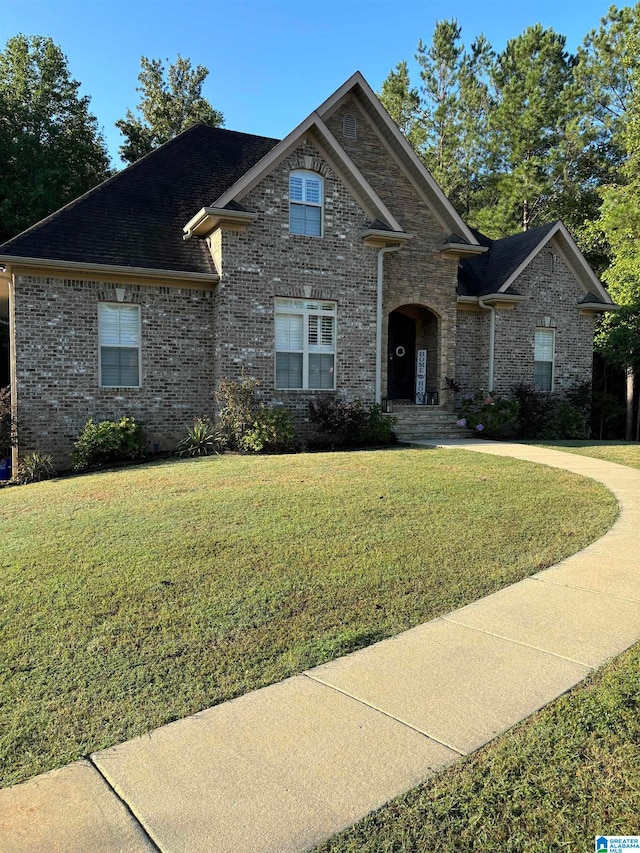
(250, 426)
(489, 415)
(272, 431)
(6, 437)
(379, 430)
(340, 423)
(237, 407)
(108, 441)
(35, 467)
(202, 439)
(563, 415)
(537, 413)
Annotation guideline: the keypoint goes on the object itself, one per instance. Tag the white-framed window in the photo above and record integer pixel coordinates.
(305, 344)
(119, 345)
(543, 359)
(305, 203)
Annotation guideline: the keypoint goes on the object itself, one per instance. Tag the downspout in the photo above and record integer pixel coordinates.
(492, 338)
(381, 253)
(12, 373)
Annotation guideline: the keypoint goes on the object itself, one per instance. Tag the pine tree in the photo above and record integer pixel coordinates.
(171, 101)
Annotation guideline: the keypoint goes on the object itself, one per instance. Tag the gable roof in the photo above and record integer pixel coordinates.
(135, 218)
(396, 145)
(336, 156)
(497, 270)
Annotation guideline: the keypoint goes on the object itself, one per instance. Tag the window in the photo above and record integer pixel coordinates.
(119, 336)
(305, 204)
(305, 344)
(544, 347)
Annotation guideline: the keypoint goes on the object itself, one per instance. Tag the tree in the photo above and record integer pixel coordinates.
(171, 101)
(619, 337)
(444, 119)
(51, 149)
(528, 131)
(402, 102)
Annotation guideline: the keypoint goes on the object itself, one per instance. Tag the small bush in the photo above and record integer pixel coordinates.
(202, 439)
(379, 430)
(488, 415)
(237, 408)
(272, 431)
(108, 441)
(340, 423)
(35, 467)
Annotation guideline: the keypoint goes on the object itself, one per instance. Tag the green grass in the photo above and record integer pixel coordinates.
(556, 781)
(622, 452)
(138, 596)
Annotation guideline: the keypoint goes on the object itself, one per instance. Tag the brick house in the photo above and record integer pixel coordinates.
(329, 262)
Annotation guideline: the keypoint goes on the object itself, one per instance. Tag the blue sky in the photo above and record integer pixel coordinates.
(271, 62)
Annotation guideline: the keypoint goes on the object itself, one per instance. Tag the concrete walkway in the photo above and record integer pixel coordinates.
(283, 768)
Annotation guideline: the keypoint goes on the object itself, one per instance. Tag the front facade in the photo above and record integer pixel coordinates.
(328, 263)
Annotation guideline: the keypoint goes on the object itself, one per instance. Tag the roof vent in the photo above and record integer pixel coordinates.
(349, 127)
(547, 262)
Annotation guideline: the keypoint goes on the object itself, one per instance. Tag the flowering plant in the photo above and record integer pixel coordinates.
(488, 414)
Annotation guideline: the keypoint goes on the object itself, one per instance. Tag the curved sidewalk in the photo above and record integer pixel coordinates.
(285, 767)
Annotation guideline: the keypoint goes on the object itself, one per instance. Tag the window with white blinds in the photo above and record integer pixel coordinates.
(305, 342)
(119, 342)
(543, 358)
(305, 204)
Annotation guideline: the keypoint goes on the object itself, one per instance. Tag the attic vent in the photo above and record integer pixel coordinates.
(547, 262)
(349, 127)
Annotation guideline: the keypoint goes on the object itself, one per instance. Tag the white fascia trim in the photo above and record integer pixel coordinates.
(576, 255)
(358, 80)
(207, 218)
(597, 307)
(462, 249)
(74, 266)
(493, 297)
(389, 236)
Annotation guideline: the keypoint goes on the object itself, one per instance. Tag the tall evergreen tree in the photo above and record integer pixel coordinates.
(402, 101)
(171, 101)
(51, 149)
(528, 130)
(619, 336)
(443, 119)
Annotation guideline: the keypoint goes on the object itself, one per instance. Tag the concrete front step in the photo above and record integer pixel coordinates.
(416, 423)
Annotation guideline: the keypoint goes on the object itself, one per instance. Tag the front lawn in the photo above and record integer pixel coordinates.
(622, 452)
(139, 596)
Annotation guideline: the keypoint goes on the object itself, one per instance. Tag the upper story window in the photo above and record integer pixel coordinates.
(305, 203)
(543, 358)
(119, 342)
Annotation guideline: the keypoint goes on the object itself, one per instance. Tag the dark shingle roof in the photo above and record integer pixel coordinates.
(483, 274)
(137, 216)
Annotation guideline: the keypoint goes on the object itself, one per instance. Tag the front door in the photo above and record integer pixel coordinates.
(402, 357)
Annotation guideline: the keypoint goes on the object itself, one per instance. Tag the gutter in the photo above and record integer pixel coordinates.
(492, 338)
(381, 253)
